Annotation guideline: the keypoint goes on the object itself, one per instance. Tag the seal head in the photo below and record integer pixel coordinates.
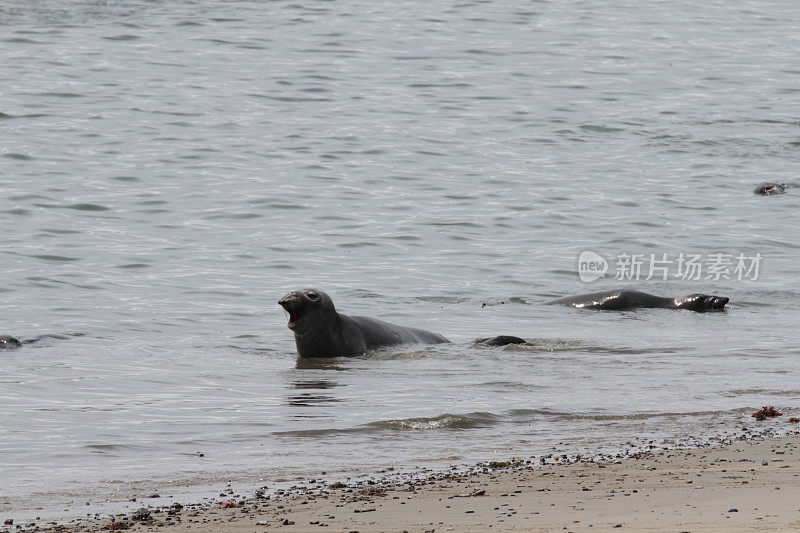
(318, 329)
(770, 189)
(307, 306)
(7, 342)
(701, 303)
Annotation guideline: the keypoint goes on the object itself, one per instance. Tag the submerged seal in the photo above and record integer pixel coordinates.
(7, 342)
(621, 300)
(500, 340)
(770, 189)
(319, 331)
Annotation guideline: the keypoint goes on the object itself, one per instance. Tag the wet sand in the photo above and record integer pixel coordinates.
(747, 485)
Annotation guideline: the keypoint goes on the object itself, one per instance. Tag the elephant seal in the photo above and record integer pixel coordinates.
(319, 331)
(621, 300)
(500, 340)
(771, 189)
(7, 342)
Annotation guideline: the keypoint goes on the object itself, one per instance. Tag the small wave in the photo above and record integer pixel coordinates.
(22, 40)
(291, 99)
(443, 299)
(233, 216)
(438, 85)
(306, 399)
(77, 207)
(412, 58)
(29, 115)
(596, 417)
(276, 205)
(110, 448)
(357, 244)
(318, 433)
(454, 224)
(740, 392)
(600, 129)
(59, 94)
(176, 113)
(87, 207)
(477, 51)
(59, 258)
(59, 231)
(124, 37)
(444, 421)
(511, 385)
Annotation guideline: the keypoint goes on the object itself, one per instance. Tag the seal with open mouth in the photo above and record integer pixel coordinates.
(319, 331)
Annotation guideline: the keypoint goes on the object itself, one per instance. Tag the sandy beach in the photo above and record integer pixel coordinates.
(745, 486)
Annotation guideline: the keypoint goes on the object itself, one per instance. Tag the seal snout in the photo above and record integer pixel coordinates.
(292, 303)
(719, 302)
(711, 303)
(702, 303)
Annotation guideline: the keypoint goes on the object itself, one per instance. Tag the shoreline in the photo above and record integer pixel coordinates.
(742, 485)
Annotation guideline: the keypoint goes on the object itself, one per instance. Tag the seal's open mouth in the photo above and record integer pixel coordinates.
(294, 318)
(291, 306)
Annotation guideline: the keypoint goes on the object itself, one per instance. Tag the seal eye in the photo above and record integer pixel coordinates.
(313, 296)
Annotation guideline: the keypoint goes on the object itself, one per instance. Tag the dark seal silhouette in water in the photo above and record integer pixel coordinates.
(622, 300)
(500, 340)
(319, 331)
(770, 189)
(7, 342)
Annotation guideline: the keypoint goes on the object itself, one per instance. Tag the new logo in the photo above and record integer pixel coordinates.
(591, 266)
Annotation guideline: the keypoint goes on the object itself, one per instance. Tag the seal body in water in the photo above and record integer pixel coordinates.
(7, 342)
(621, 300)
(770, 189)
(320, 331)
(500, 340)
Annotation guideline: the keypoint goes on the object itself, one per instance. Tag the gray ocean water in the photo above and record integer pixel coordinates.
(169, 169)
